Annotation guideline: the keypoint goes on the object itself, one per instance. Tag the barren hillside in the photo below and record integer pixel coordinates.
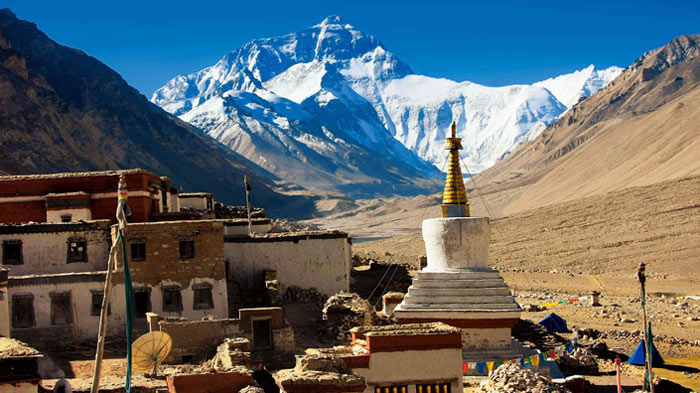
(610, 233)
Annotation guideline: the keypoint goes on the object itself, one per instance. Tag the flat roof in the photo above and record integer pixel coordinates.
(285, 236)
(195, 194)
(432, 328)
(47, 227)
(63, 175)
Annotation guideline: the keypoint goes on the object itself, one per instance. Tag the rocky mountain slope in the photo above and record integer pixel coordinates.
(299, 105)
(639, 130)
(62, 110)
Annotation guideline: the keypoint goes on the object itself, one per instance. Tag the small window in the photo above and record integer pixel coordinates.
(66, 218)
(77, 250)
(142, 301)
(172, 299)
(186, 249)
(60, 309)
(96, 308)
(392, 389)
(434, 388)
(203, 299)
(12, 252)
(138, 250)
(22, 311)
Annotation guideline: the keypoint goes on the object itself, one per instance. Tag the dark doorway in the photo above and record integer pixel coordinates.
(262, 335)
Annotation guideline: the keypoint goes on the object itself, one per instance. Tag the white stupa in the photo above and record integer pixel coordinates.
(458, 287)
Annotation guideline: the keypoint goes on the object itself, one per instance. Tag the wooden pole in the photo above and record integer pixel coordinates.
(104, 311)
(247, 201)
(97, 372)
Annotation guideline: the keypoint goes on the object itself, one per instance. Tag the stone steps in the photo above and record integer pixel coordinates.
(488, 299)
(460, 275)
(465, 283)
(482, 291)
(405, 306)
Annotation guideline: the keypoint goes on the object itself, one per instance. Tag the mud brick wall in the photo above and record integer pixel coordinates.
(198, 339)
(163, 261)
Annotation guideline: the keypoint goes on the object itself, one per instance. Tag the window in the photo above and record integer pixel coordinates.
(138, 250)
(77, 250)
(203, 299)
(96, 309)
(391, 389)
(12, 252)
(172, 299)
(186, 249)
(434, 388)
(60, 308)
(22, 311)
(66, 218)
(142, 301)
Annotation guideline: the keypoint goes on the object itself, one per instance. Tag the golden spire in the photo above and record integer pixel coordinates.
(454, 198)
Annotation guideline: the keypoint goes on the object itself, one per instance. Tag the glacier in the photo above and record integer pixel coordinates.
(330, 108)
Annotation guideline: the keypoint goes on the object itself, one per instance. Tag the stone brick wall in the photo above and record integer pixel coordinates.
(163, 251)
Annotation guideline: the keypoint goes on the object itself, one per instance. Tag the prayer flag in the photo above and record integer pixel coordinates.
(489, 365)
(465, 367)
(535, 360)
(481, 367)
(552, 354)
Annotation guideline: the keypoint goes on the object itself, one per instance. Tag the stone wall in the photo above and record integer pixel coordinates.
(319, 259)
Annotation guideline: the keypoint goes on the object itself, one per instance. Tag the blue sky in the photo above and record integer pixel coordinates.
(493, 43)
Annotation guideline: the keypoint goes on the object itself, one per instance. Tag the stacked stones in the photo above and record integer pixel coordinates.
(514, 378)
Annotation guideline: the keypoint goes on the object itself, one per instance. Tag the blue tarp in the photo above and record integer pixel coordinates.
(638, 356)
(555, 324)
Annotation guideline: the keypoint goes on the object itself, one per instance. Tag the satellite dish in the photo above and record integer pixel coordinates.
(149, 350)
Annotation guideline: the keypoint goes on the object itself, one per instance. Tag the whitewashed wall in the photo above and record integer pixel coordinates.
(407, 367)
(199, 203)
(316, 262)
(76, 214)
(47, 252)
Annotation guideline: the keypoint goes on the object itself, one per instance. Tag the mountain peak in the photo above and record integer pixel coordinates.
(334, 20)
(7, 12)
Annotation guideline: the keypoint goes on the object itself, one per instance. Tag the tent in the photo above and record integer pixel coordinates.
(555, 324)
(639, 354)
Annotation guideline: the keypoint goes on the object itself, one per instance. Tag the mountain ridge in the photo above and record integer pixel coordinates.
(364, 97)
(63, 110)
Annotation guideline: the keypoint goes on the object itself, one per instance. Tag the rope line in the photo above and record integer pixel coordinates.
(396, 268)
(378, 283)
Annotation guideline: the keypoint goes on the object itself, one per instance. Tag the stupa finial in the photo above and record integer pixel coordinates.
(454, 198)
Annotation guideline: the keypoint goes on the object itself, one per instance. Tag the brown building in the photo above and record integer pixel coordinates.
(65, 197)
(177, 268)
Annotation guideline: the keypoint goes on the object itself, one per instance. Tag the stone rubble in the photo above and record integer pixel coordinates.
(344, 311)
(511, 378)
(251, 389)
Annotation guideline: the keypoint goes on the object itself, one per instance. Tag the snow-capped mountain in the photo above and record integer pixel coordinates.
(571, 88)
(331, 108)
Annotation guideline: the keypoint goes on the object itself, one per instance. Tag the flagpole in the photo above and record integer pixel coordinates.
(641, 276)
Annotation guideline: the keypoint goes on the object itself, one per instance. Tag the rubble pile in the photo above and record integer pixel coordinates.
(222, 211)
(344, 311)
(515, 378)
(586, 334)
(232, 352)
(251, 389)
(295, 294)
(580, 361)
(282, 225)
(315, 371)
